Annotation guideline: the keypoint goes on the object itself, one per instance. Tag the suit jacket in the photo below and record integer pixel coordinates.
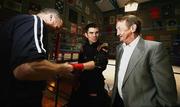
(149, 80)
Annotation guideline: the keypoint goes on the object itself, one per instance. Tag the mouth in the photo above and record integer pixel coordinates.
(120, 36)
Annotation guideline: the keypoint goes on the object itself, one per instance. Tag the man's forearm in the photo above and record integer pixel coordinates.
(40, 70)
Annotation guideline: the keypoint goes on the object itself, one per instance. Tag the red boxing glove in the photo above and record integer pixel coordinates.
(78, 66)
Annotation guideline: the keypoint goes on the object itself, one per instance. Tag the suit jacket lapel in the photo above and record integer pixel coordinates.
(119, 51)
(136, 56)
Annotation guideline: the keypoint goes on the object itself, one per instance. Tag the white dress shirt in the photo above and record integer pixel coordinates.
(128, 50)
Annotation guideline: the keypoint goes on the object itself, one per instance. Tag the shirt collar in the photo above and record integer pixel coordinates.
(133, 43)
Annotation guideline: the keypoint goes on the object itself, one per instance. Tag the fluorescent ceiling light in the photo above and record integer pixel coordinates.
(131, 5)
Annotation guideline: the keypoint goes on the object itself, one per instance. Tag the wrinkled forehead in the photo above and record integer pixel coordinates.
(121, 23)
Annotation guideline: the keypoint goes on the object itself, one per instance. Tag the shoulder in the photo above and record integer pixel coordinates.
(22, 20)
(152, 44)
(23, 17)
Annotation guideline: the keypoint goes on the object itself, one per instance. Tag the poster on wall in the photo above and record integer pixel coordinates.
(94, 15)
(71, 2)
(79, 4)
(15, 5)
(149, 37)
(73, 28)
(166, 40)
(80, 30)
(106, 20)
(177, 11)
(109, 30)
(100, 20)
(73, 16)
(82, 19)
(87, 10)
(34, 8)
(168, 10)
(59, 5)
(1, 5)
(171, 25)
(89, 21)
(157, 25)
(112, 20)
(155, 13)
(119, 16)
(165, 37)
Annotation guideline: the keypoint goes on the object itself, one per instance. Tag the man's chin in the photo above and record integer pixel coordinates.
(94, 41)
(121, 40)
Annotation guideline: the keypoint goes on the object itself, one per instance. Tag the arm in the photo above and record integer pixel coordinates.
(163, 77)
(100, 60)
(40, 70)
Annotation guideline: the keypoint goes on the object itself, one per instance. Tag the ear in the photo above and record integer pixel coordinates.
(51, 17)
(85, 34)
(133, 28)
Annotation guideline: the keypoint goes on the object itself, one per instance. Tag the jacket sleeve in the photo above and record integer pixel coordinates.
(101, 59)
(163, 77)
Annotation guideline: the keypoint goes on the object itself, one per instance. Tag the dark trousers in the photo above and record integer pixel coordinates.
(118, 102)
(85, 100)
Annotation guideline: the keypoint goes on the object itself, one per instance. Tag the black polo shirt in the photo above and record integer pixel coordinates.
(22, 39)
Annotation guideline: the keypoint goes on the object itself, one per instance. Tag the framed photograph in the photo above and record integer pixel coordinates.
(177, 11)
(119, 16)
(168, 10)
(59, 5)
(87, 10)
(158, 25)
(79, 4)
(80, 30)
(171, 25)
(112, 20)
(165, 37)
(73, 28)
(67, 56)
(73, 16)
(155, 13)
(83, 19)
(75, 56)
(71, 2)
(13, 5)
(34, 8)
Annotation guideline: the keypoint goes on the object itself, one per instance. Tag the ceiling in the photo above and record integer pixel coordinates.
(107, 5)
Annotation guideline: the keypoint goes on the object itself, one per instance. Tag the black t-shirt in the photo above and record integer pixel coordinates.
(22, 40)
(91, 81)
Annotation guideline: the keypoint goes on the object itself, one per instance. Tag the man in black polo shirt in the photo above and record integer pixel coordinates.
(24, 66)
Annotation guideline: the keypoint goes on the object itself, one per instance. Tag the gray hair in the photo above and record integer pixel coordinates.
(50, 10)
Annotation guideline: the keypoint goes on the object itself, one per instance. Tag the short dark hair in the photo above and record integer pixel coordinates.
(130, 20)
(93, 25)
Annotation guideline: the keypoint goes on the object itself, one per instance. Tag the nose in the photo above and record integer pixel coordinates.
(118, 33)
(94, 34)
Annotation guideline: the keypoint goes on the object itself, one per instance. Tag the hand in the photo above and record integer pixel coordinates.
(103, 47)
(65, 68)
(101, 59)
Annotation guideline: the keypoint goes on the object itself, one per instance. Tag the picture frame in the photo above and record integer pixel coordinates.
(112, 20)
